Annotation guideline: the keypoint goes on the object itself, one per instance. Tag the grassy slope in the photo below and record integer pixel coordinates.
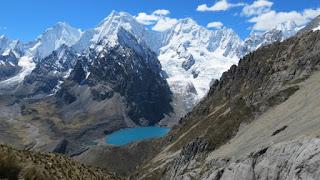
(16, 164)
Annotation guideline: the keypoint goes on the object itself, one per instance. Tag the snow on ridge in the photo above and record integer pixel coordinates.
(27, 64)
(316, 28)
(54, 37)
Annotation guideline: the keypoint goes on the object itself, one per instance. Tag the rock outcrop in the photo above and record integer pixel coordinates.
(8, 65)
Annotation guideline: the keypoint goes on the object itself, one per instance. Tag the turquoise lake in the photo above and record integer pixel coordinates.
(129, 135)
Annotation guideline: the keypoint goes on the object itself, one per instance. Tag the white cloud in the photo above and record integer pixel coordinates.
(221, 5)
(257, 7)
(163, 12)
(148, 19)
(159, 18)
(216, 25)
(271, 19)
(164, 24)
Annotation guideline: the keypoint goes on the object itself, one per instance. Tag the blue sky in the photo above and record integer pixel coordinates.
(27, 19)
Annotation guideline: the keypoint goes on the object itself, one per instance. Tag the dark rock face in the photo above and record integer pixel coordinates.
(8, 65)
(101, 92)
(61, 147)
(188, 63)
(67, 147)
(65, 96)
(195, 73)
(193, 148)
(78, 74)
(191, 151)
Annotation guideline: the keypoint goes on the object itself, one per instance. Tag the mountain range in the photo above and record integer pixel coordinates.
(190, 55)
(76, 86)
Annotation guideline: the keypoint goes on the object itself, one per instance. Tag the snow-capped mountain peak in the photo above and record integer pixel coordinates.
(288, 29)
(186, 24)
(7, 46)
(192, 56)
(110, 25)
(279, 33)
(109, 28)
(287, 26)
(4, 43)
(53, 38)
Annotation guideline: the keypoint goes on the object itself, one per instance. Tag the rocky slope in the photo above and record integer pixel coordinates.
(17, 164)
(265, 105)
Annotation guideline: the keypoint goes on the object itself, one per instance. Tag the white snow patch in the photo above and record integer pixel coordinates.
(88, 74)
(316, 29)
(27, 64)
(6, 52)
(67, 74)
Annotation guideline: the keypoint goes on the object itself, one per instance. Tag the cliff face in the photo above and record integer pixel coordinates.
(259, 108)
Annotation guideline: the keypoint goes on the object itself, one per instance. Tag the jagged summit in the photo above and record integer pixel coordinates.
(108, 31)
(187, 21)
(53, 38)
(7, 45)
(287, 26)
(111, 24)
(279, 33)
